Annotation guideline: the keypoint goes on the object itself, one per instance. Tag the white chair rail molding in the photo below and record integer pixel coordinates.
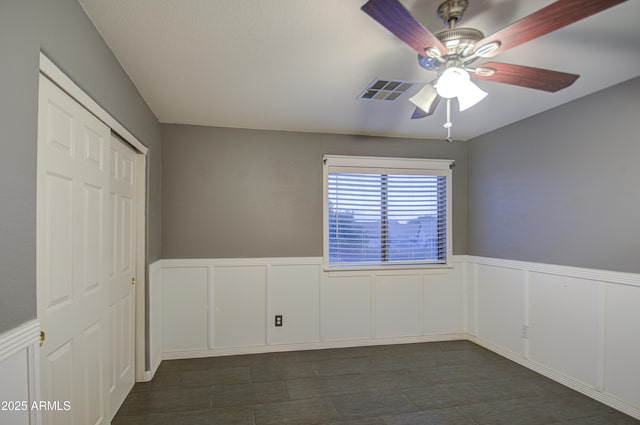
(580, 327)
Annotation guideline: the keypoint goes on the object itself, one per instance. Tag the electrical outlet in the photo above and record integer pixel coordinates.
(525, 331)
(278, 320)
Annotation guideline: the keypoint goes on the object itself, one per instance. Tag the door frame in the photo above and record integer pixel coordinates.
(55, 74)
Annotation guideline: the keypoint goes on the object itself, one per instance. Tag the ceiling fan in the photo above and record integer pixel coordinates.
(451, 52)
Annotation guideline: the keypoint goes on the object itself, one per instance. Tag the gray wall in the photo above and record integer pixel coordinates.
(254, 193)
(562, 187)
(63, 31)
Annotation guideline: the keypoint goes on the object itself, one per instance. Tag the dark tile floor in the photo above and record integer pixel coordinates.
(432, 383)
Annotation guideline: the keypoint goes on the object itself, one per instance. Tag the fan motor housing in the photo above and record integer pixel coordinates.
(459, 41)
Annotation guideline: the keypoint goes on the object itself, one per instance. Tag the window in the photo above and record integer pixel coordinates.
(386, 212)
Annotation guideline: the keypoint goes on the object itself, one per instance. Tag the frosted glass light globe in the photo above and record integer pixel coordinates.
(451, 82)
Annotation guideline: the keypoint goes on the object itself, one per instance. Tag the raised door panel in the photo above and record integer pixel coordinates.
(93, 241)
(94, 367)
(60, 125)
(56, 259)
(125, 236)
(125, 342)
(93, 143)
(58, 372)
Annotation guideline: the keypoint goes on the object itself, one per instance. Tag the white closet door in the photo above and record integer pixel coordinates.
(72, 271)
(122, 271)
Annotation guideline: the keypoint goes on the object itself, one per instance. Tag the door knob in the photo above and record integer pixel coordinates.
(42, 336)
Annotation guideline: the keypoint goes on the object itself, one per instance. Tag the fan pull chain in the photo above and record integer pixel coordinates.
(448, 124)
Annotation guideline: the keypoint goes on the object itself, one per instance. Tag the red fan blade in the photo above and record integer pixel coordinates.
(394, 17)
(420, 113)
(546, 20)
(526, 76)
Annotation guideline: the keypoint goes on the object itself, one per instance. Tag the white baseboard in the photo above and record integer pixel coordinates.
(319, 345)
(149, 374)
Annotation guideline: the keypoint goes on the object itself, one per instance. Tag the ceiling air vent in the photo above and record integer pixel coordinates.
(388, 90)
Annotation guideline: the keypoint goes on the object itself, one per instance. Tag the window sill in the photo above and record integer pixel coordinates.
(389, 270)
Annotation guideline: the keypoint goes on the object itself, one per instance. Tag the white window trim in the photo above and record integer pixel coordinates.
(418, 165)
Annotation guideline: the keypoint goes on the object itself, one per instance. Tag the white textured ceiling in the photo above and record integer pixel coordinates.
(299, 65)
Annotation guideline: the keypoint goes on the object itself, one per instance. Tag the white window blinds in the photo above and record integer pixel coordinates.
(392, 212)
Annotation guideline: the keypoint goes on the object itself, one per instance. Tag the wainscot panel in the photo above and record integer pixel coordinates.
(564, 317)
(444, 302)
(622, 343)
(500, 306)
(184, 308)
(398, 305)
(239, 305)
(295, 295)
(19, 369)
(346, 307)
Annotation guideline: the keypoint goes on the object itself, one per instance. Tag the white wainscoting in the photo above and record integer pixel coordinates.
(227, 306)
(19, 370)
(578, 326)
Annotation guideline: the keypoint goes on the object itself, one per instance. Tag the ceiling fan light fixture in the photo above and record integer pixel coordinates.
(425, 97)
(452, 81)
(470, 96)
